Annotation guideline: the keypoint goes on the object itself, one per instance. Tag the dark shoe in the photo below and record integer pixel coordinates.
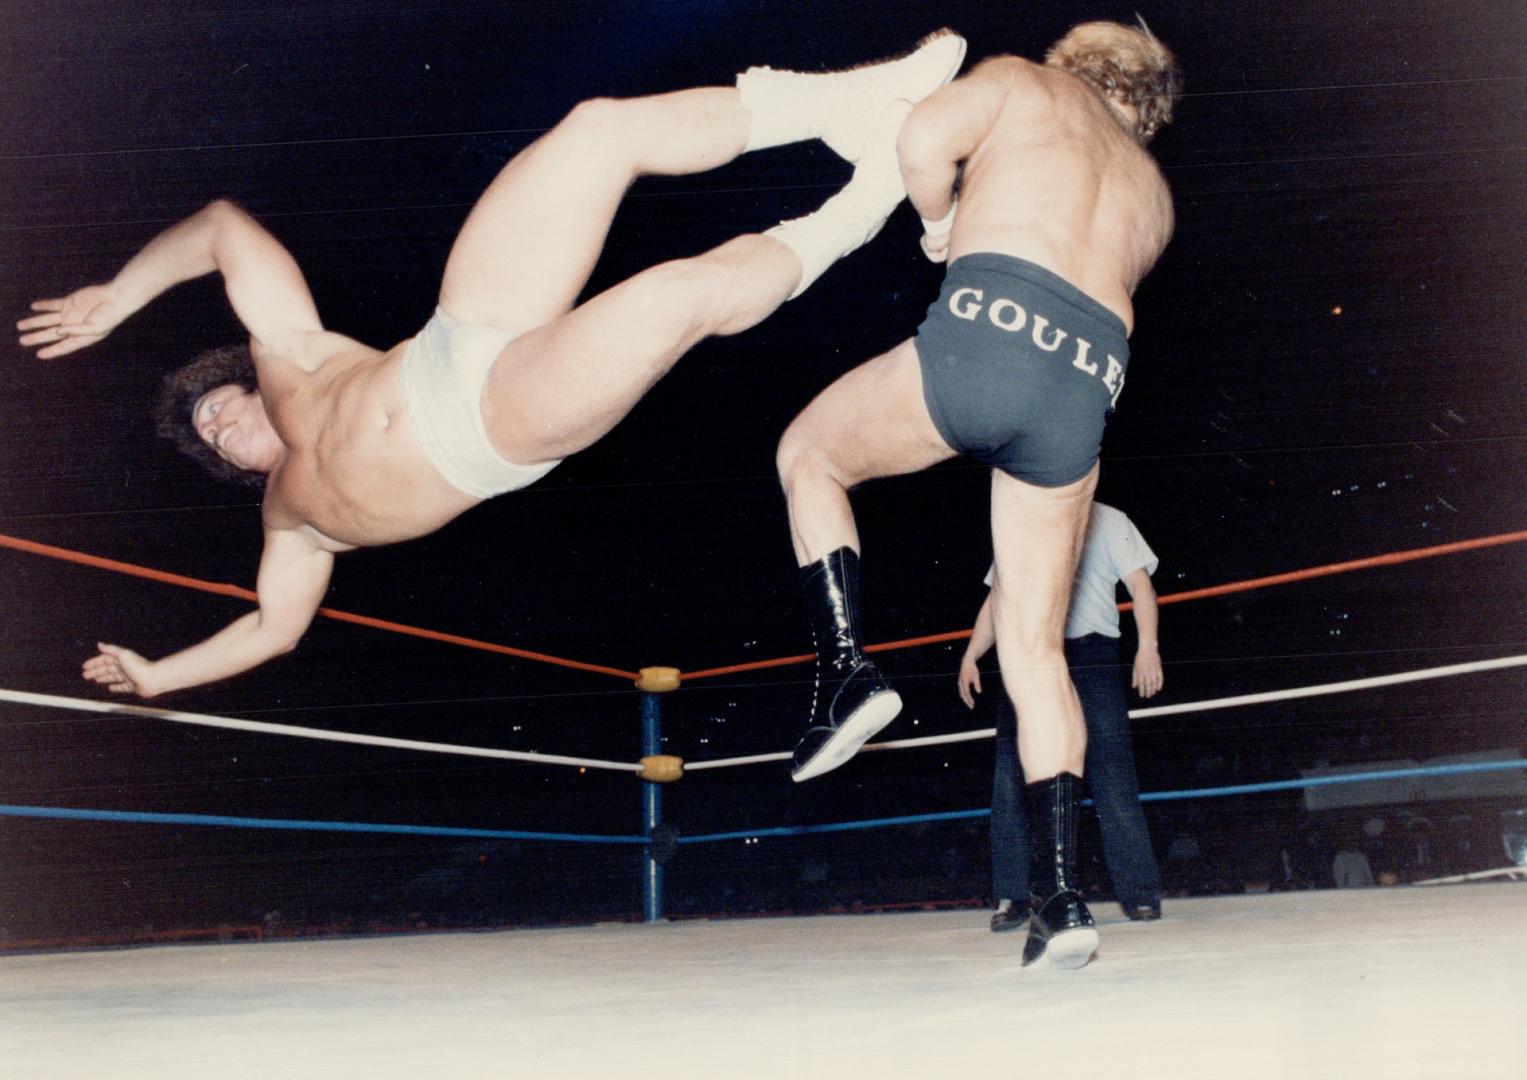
(1061, 932)
(852, 700)
(856, 708)
(1143, 912)
(1008, 916)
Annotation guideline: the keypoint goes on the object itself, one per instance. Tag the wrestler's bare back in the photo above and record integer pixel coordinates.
(352, 474)
(1057, 180)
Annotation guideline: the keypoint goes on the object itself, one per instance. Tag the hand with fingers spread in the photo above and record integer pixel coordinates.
(120, 670)
(70, 323)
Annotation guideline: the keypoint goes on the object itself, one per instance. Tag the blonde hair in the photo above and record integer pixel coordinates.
(1132, 66)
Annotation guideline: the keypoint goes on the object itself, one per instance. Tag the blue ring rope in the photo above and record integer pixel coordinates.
(318, 826)
(790, 830)
(1154, 796)
(1345, 778)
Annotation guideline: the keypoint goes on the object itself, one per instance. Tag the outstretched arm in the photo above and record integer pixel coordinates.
(294, 573)
(943, 130)
(1148, 676)
(983, 635)
(264, 284)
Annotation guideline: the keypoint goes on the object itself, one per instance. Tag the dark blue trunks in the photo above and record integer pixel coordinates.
(1021, 368)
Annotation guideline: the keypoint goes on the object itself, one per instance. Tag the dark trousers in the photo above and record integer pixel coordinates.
(1110, 767)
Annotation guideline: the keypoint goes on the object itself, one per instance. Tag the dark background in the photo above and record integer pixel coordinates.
(1368, 157)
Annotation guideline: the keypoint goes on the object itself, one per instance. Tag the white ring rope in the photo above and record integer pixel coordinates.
(897, 744)
(1168, 710)
(87, 705)
(1334, 688)
(23, 698)
(751, 759)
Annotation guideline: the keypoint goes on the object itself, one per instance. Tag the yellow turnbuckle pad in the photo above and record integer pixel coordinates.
(659, 680)
(661, 768)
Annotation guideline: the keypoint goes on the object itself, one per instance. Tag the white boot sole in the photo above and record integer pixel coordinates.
(1067, 950)
(857, 730)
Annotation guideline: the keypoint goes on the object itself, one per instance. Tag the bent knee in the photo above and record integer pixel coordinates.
(597, 113)
(800, 456)
(605, 124)
(790, 454)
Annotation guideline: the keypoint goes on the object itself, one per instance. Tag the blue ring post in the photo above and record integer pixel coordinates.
(652, 809)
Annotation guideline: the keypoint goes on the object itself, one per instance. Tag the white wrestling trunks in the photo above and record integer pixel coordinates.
(444, 369)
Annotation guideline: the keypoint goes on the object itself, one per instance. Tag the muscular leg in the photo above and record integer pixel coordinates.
(530, 243)
(870, 423)
(1037, 538)
(558, 389)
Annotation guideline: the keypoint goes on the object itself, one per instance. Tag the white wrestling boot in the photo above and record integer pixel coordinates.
(842, 107)
(852, 217)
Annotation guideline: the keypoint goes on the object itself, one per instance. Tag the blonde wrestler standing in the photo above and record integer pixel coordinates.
(1061, 212)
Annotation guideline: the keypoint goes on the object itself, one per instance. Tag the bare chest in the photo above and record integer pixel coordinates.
(353, 469)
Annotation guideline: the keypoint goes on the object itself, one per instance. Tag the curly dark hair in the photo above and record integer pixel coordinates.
(183, 388)
(1124, 63)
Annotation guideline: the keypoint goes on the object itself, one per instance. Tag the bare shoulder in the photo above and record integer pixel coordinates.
(1004, 74)
(278, 515)
(1003, 65)
(286, 528)
(306, 350)
(1026, 90)
(978, 97)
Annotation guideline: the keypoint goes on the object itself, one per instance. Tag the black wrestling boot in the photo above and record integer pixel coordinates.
(1061, 931)
(852, 700)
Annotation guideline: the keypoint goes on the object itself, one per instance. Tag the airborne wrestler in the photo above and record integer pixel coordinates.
(357, 446)
(1061, 212)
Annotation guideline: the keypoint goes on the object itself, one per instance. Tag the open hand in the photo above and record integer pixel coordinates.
(120, 670)
(969, 682)
(1148, 676)
(70, 323)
